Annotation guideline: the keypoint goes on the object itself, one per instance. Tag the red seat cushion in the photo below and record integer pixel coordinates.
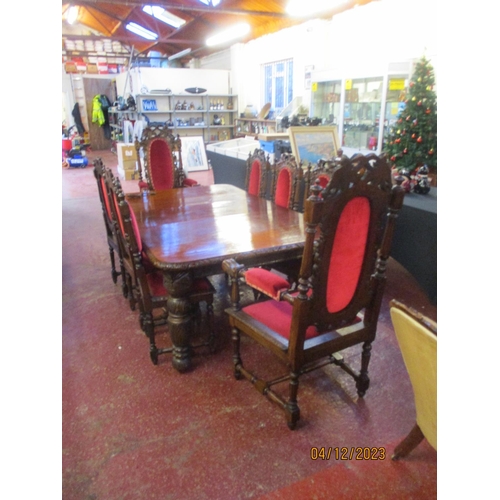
(190, 183)
(143, 185)
(283, 188)
(277, 316)
(254, 181)
(347, 254)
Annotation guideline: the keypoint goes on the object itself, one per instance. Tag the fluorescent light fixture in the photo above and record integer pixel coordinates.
(139, 30)
(179, 54)
(300, 8)
(214, 2)
(163, 15)
(72, 14)
(236, 31)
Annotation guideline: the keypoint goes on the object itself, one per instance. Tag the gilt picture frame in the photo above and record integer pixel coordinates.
(311, 144)
(194, 155)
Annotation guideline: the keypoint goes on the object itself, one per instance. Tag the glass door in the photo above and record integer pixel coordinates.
(326, 101)
(363, 99)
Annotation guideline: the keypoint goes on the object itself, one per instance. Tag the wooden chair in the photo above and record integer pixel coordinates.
(349, 228)
(257, 170)
(286, 176)
(161, 160)
(110, 225)
(146, 282)
(417, 338)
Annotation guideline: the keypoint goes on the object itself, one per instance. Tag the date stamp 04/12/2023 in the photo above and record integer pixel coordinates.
(347, 453)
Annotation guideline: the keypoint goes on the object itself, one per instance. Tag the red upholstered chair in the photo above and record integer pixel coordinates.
(146, 282)
(161, 160)
(349, 227)
(321, 172)
(286, 177)
(109, 224)
(257, 170)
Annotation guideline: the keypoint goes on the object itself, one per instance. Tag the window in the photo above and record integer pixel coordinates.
(278, 84)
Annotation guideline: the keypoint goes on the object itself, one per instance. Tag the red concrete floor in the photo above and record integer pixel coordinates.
(134, 431)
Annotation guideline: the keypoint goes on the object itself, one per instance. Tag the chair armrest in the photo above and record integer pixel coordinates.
(266, 282)
(190, 183)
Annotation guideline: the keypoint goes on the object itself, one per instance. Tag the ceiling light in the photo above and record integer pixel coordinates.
(236, 31)
(179, 54)
(72, 14)
(139, 30)
(214, 2)
(299, 8)
(163, 15)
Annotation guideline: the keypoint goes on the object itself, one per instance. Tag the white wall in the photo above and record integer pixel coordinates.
(359, 42)
(216, 81)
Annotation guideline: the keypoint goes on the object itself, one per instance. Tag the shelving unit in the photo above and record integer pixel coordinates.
(208, 115)
(253, 127)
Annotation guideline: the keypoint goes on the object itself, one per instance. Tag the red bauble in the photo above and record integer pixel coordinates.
(405, 150)
(427, 111)
(393, 158)
(413, 136)
(431, 151)
(419, 139)
(397, 141)
(419, 103)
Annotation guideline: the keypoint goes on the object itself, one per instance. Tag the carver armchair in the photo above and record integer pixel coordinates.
(417, 339)
(145, 281)
(349, 227)
(161, 160)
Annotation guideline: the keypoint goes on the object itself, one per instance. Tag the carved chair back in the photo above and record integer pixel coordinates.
(161, 158)
(109, 220)
(257, 169)
(286, 179)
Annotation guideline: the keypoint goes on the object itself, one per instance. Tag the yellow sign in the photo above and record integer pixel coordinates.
(396, 84)
(348, 84)
(314, 86)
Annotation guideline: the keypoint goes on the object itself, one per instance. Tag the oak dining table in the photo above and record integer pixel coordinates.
(188, 232)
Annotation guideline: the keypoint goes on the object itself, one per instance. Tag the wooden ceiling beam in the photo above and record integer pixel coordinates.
(131, 39)
(171, 6)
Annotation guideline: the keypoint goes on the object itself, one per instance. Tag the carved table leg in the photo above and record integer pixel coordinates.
(180, 313)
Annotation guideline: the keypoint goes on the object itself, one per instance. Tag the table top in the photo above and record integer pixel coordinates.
(196, 227)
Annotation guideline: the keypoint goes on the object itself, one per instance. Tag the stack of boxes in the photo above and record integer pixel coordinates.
(127, 161)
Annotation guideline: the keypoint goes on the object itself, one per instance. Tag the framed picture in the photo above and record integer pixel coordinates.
(194, 156)
(310, 144)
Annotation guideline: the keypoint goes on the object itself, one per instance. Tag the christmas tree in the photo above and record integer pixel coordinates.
(412, 141)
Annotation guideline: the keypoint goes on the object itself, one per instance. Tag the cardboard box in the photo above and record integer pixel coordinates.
(126, 152)
(127, 174)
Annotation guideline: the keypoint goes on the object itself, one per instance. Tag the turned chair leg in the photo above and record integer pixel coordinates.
(211, 338)
(292, 409)
(114, 272)
(236, 352)
(363, 381)
(147, 324)
(409, 443)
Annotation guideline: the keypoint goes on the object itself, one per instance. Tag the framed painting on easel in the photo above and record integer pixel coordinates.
(311, 144)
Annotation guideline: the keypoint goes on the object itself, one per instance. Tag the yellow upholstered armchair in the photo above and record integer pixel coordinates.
(417, 338)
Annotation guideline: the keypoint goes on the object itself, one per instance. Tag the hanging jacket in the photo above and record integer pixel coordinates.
(97, 111)
(78, 119)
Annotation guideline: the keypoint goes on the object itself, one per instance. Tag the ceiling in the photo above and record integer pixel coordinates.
(100, 27)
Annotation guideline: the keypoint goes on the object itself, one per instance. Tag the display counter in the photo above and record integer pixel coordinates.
(415, 240)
